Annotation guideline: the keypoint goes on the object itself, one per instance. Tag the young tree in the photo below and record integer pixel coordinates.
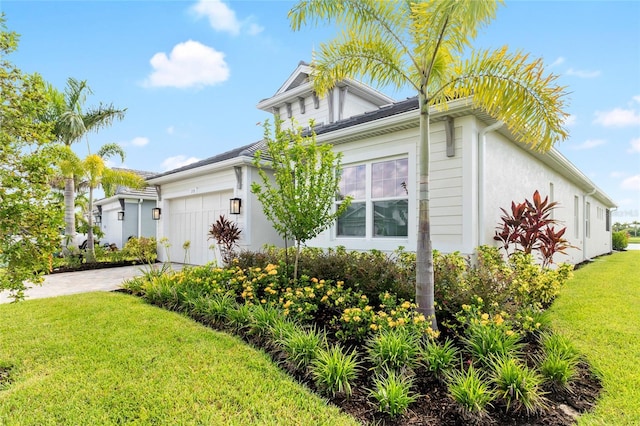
(422, 44)
(95, 174)
(29, 217)
(299, 201)
(72, 123)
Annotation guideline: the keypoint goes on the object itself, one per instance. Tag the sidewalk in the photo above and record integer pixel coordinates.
(107, 279)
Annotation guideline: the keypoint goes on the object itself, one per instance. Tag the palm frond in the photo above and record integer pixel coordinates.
(514, 89)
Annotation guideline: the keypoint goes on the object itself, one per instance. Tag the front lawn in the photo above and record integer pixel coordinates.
(106, 358)
(599, 310)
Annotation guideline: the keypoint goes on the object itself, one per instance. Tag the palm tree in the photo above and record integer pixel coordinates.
(95, 174)
(423, 45)
(71, 123)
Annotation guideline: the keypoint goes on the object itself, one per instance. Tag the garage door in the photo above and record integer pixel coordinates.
(189, 220)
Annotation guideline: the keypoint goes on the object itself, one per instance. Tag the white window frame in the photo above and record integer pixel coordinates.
(369, 200)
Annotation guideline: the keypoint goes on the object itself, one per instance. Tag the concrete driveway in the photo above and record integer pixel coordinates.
(107, 279)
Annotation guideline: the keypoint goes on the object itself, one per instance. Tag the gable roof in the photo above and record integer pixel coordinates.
(298, 84)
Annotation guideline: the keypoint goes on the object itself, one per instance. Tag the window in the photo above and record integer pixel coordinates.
(587, 220)
(379, 206)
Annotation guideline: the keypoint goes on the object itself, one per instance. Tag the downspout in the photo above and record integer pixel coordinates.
(482, 140)
(585, 258)
(140, 200)
(611, 210)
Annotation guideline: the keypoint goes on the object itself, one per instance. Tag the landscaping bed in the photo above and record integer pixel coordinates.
(331, 335)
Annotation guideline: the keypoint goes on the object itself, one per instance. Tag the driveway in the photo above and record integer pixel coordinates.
(107, 279)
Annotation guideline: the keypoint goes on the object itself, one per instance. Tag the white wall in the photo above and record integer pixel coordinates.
(513, 174)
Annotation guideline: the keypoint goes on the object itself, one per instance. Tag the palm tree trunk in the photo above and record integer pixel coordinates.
(91, 253)
(424, 253)
(69, 215)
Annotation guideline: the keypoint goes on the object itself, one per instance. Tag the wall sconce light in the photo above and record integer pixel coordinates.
(234, 205)
(97, 218)
(155, 213)
(120, 215)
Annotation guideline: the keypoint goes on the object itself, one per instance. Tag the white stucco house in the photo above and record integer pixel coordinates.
(128, 213)
(476, 168)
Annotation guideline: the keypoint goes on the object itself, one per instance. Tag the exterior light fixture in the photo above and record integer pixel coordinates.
(155, 213)
(234, 205)
(97, 218)
(120, 215)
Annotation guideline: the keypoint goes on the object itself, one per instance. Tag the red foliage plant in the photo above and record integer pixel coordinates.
(529, 227)
(226, 233)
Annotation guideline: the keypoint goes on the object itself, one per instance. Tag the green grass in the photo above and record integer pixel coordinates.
(599, 310)
(106, 358)
(634, 240)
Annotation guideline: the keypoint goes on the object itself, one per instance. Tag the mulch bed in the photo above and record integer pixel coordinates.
(435, 407)
(93, 266)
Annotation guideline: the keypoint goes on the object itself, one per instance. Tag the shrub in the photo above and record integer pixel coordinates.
(518, 385)
(333, 370)
(371, 273)
(438, 358)
(620, 240)
(530, 227)
(471, 391)
(393, 393)
(144, 250)
(394, 349)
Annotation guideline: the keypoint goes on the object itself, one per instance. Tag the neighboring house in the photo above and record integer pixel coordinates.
(127, 213)
(476, 169)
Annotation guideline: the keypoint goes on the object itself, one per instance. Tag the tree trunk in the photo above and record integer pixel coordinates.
(424, 252)
(91, 252)
(69, 215)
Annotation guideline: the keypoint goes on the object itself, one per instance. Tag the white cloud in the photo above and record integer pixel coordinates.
(631, 183)
(635, 145)
(139, 141)
(589, 144)
(222, 18)
(637, 99)
(190, 64)
(617, 175)
(617, 117)
(570, 120)
(170, 130)
(582, 73)
(557, 62)
(177, 161)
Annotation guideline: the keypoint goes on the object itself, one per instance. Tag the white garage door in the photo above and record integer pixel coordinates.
(189, 220)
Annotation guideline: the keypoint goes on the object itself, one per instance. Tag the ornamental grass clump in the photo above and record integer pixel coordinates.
(438, 358)
(301, 346)
(263, 318)
(517, 385)
(394, 349)
(213, 310)
(558, 361)
(392, 392)
(471, 391)
(483, 342)
(334, 370)
(239, 318)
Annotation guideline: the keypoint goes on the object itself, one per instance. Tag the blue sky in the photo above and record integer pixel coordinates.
(190, 73)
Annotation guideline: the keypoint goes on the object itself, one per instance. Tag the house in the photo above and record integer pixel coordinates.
(476, 168)
(126, 214)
